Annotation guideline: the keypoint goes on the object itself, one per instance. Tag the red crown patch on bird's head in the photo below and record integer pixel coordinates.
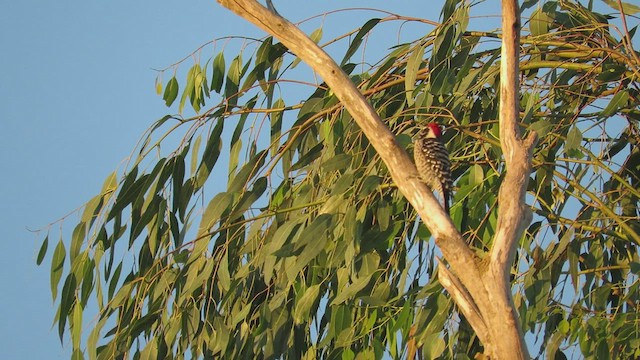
(436, 129)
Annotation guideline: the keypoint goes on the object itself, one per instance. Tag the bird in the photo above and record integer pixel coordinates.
(432, 161)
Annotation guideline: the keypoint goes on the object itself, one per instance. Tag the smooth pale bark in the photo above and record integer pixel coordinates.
(483, 293)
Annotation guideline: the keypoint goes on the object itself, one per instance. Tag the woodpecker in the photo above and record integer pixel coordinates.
(432, 161)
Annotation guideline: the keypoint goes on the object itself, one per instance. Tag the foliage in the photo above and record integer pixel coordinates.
(308, 250)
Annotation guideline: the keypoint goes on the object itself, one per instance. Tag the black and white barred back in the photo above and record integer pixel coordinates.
(432, 162)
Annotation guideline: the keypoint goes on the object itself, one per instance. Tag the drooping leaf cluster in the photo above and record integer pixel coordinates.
(272, 229)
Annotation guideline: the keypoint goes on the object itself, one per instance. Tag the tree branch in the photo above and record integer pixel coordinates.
(465, 303)
(513, 213)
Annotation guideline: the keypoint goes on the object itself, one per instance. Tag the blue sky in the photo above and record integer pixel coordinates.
(76, 93)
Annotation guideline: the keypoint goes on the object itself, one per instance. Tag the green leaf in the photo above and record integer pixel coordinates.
(308, 157)
(177, 181)
(43, 250)
(87, 281)
(262, 55)
(232, 85)
(352, 233)
(223, 272)
(66, 302)
(315, 238)
(149, 209)
(280, 237)
(357, 39)
(476, 175)
(444, 42)
(77, 355)
(628, 8)
(369, 185)
(388, 64)
(433, 346)
(316, 35)
(539, 22)
(461, 18)
(541, 127)
(276, 125)
(249, 197)
(251, 79)
(91, 209)
(348, 354)
(218, 73)
(574, 141)
(234, 156)
(76, 241)
(619, 100)
(402, 319)
(309, 108)
(612, 72)
(241, 315)
(343, 183)
(160, 122)
(554, 343)
(119, 299)
(317, 228)
(172, 329)
(411, 73)
(209, 156)
(142, 324)
(195, 151)
(57, 266)
(303, 306)
(350, 291)
(448, 9)
(193, 89)
(92, 340)
(441, 81)
(114, 280)
(76, 326)
(150, 351)
(130, 192)
(218, 205)
(564, 327)
(369, 264)
(188, 89)
(199, 81)
(562, 246)
(171, 91)
(250, 169)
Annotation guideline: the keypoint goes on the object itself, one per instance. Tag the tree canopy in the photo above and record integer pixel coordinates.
(265, 225)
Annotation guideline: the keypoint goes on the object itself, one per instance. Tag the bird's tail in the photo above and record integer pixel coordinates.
(445, 201)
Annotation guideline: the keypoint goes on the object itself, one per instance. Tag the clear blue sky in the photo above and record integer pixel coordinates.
(76, 93)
